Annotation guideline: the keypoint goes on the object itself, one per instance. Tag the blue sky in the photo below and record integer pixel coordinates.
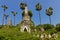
(13, 5)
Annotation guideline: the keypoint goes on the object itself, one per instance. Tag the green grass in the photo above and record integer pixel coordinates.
(13, 33)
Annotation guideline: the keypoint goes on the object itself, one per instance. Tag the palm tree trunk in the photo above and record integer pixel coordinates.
(3, 20)
(14, 20)
(50, 19)
(3, 17)
(40, 17)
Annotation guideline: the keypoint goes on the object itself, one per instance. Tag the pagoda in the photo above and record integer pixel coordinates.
(26, 23)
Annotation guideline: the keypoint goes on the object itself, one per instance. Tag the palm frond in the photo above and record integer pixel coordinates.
(38, 7)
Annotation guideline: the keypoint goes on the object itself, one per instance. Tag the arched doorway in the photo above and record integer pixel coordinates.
(25, 30)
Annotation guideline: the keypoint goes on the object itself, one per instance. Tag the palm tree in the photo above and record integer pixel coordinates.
(6, 16)
(4, 9)
(38, 8)
(22, 6)
(14, 14)
(49, 12)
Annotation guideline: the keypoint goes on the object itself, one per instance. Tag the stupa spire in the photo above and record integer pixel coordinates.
(26, 10)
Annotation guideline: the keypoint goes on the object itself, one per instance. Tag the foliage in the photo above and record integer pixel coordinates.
(58, 27)
(38, 27)
(14, 13)
(6, 15)
(48, 26)
(49, 11)
(13, 32)
(29, 13)
(38, 7)
(22, 6)
(4, 7)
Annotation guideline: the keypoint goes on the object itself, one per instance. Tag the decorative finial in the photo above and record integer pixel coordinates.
(26, 10)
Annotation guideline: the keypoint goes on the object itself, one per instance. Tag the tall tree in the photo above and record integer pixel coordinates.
(38, 8)
(49, 12)
(6, 16)
(14, 14)
(4, 9)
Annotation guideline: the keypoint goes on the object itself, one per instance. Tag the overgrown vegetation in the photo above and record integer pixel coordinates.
(13, 32)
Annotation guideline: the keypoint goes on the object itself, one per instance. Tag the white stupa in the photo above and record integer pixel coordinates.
(26, 21)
